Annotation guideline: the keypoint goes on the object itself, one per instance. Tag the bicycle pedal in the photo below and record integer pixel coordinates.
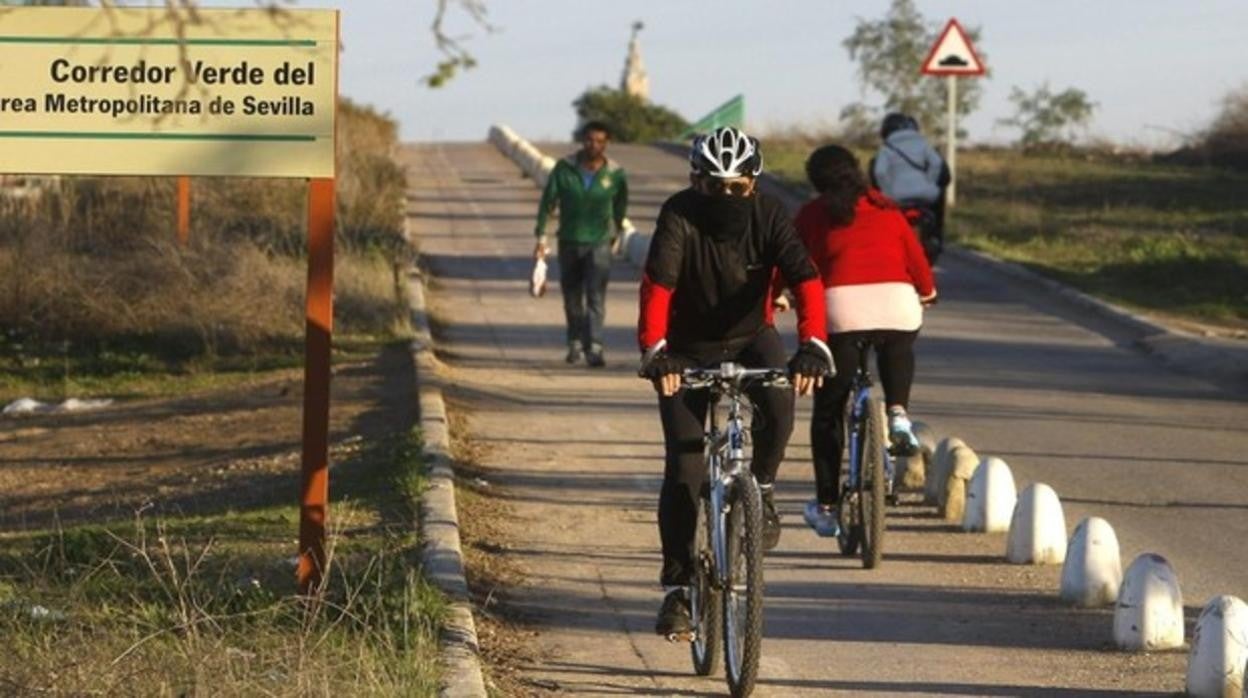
(685, 636)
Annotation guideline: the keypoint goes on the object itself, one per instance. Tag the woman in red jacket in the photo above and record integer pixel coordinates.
(876, 281)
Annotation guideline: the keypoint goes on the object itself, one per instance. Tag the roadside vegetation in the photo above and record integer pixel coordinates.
(202, 605)
(193, 594)
(98, 298)
(1164, 238)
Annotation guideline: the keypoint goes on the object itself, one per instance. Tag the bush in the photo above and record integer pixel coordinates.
(632, 120)
(1227, 139)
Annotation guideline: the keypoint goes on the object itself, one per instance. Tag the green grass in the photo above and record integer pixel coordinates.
(204, 605)
(1162, 238)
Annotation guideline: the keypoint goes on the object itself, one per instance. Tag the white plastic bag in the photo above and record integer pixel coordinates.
(537, 284)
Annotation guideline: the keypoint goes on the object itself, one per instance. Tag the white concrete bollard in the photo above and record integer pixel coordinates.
(962, 465)
(1037, 529)
(912, 470)
(1149, 614)
(1092, 572)
(938, 470)
(1215, 665)
(927, 439)
(990, 498)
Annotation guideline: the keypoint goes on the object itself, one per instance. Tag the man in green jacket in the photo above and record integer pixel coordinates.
(591, 194)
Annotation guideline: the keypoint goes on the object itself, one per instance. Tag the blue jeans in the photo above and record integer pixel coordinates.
(583, 273)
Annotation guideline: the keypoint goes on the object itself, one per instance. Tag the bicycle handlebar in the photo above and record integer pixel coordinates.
(735, 375)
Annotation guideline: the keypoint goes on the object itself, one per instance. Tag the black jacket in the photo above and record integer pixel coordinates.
(721, 285)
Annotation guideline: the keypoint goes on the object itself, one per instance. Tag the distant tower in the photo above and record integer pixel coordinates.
(634, 80)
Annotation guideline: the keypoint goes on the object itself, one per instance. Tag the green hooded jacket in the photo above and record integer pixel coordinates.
(585, 213)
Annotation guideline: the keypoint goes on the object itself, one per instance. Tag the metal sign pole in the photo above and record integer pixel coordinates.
(314, 501)
(951, 141)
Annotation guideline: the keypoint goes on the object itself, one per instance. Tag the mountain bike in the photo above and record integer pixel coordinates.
(869, 478)
(726, 593)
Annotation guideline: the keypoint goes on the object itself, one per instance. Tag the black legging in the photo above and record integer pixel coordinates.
(894, 358)
(684, 415)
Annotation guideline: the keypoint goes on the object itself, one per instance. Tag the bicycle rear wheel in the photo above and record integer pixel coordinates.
(743, 595)
(873, 485)
(704, 599)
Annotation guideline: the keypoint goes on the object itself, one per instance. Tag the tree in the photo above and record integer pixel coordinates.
(1226, 140)
(631, 118)
(890, 52)
(1049, 119)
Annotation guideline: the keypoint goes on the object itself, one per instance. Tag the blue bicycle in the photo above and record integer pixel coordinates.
(869, 478)
(726, 593)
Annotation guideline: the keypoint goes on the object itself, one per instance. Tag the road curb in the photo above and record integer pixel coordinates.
(442, 556)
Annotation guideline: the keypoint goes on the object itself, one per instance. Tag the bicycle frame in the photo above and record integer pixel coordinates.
(861, 393)
(727, 461)
(725, 447)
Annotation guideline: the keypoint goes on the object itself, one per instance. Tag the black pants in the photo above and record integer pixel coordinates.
(583, 273)
(684, 472)
(894, 358)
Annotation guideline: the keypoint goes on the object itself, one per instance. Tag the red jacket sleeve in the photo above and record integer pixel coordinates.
(812, 316)
(655, 307)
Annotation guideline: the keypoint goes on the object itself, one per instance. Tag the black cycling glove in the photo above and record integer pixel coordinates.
(811, 360)
(662, 364)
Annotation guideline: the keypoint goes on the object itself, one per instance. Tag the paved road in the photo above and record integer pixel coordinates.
(577, 455)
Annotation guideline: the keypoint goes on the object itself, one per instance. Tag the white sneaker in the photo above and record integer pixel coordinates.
(822, 518)
(901, 432)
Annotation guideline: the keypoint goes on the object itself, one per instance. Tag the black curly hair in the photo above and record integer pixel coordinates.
(834, 172)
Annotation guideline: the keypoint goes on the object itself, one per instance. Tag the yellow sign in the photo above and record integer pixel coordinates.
(156, 91)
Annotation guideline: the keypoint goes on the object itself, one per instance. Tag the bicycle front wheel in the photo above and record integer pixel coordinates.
(873, 485)
(704, 599)
(743, 594)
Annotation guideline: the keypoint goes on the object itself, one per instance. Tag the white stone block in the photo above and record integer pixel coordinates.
(911, 472)
(938, 470)
(1215, 665)
(1038, 528)
(1092, 572)
(990, 498)
(962, 465)
(1149, 614)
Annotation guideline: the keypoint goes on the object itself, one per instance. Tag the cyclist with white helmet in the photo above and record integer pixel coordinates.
(705, 300)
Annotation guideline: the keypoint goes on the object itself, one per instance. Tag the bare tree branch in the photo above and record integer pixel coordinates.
(457, 56)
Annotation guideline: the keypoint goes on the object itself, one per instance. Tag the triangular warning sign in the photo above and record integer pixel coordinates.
(952, 54)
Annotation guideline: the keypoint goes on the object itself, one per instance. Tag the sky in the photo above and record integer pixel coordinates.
(1155, 68)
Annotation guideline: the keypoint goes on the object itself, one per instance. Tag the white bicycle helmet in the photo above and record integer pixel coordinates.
(725, 153)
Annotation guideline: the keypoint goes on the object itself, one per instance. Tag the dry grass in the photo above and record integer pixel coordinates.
(93, 266)
(199, 605)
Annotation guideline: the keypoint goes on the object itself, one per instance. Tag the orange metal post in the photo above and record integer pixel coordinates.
(320, 321)
(184, 209)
